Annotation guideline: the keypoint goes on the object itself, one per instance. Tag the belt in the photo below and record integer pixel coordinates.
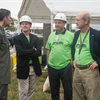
(83, 66)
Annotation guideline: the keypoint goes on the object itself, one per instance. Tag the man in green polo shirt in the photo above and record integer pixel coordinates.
(86, 59)
(59, 57)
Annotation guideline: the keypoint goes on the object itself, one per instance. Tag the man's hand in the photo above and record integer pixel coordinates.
(93, 65)
(35, 49)
(74, 64)
(71, 62)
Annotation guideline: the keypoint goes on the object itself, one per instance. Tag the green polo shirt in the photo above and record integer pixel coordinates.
(85, 55)
(60, 47)
(5, 33)
(28, 38)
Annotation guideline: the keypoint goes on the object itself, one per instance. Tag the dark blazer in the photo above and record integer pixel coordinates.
(94, 44)
(25, 52)
(4, 58)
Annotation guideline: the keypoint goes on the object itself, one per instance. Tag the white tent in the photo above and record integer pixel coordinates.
(43, 11)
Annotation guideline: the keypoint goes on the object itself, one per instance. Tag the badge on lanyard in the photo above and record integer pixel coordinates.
(78, 60)
(56, 37)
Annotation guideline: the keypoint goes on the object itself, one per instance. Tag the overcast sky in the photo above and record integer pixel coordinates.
(12, 5)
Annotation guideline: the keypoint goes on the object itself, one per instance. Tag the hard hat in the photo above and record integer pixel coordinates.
(60, 16)
(25, 18)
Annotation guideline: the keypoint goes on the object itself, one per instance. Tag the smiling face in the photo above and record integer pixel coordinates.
(59, 25)
(25, 26)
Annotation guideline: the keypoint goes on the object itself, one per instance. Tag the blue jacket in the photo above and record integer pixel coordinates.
(94, 44)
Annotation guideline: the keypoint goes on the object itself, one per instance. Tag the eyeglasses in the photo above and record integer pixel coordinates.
(78, 20)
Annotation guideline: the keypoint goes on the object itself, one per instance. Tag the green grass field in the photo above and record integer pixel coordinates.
(38, 95)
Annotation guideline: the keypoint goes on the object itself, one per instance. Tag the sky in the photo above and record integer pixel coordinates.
(12, 5)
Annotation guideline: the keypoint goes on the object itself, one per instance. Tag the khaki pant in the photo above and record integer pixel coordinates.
(86, 84)
(27, 86)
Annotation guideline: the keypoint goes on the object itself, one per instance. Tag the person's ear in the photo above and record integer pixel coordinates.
(86, 21)
(5, 18)
(30, 26)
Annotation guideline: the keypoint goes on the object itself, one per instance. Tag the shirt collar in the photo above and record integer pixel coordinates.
(62, 32)
(1, 28)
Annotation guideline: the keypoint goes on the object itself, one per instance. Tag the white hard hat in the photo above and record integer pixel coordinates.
(60, 16)
(25, 18)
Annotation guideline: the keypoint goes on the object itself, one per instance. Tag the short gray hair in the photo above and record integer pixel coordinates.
(87, 16)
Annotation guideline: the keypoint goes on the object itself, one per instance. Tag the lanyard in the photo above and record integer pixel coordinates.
(83, 41)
